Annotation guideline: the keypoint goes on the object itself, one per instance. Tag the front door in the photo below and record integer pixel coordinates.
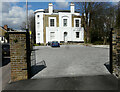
(65, 37)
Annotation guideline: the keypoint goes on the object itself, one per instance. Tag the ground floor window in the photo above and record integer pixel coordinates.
(38, 35)
(52, 35)
(77, 34)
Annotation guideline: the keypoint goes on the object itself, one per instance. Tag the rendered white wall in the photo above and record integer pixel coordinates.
(39, 27)
(59, 31)
(59, 34)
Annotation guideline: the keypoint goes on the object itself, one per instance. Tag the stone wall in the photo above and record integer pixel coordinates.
(18, 55)
(116, 52)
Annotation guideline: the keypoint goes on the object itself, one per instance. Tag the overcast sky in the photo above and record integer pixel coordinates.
(14, 13)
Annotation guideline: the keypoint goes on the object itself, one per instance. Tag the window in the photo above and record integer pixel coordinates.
(52, 35)
(38, 23)
(38, 35)
(77, 34)
(64, 22)
(76, 23)
(38, 16)
(52, 22)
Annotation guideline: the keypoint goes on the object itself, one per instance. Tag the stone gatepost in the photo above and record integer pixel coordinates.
(18, 56)
(116, 52)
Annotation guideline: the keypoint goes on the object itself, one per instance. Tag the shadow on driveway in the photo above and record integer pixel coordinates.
(95, 82)
(37, 68)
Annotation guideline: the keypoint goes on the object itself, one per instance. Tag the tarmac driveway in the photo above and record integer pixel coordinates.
(71, 60)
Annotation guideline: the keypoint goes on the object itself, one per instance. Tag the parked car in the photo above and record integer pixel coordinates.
(55, 44)
(5, 49)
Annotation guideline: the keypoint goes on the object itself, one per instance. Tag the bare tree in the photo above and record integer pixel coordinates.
(98, 19)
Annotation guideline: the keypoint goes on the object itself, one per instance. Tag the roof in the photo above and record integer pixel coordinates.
(54, 11)
(2, 31)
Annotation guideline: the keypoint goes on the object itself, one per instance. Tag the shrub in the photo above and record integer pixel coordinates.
(98, 43)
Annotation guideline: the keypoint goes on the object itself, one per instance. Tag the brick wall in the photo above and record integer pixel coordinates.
(116, 52)
(18, 55)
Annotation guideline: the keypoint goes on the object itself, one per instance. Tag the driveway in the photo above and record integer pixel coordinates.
(71, 60)
(70, 67)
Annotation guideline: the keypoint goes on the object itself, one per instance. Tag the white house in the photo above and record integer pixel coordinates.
(2, 35)
(58, 25)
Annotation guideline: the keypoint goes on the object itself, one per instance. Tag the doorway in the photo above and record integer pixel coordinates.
(65, 37)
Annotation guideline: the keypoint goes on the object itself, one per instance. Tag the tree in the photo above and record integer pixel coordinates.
(118, 17)
(31, 25)
(99, 18)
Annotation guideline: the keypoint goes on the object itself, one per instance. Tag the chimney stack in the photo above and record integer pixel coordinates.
(5, 27)
(50, 8)
(72, 7)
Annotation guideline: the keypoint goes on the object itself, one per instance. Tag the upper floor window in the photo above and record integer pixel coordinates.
(38, 16)
(76, 23)
(77, 34)
(65, 22)
(52, 22)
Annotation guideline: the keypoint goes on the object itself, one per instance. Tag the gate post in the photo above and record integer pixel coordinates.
(111, 52)
(116, 52)
(19, 56)
(28, 53)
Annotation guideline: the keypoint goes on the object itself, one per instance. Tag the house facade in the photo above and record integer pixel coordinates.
(2, 35)
(58, 25)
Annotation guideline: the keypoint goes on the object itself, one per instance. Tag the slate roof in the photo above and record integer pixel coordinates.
(56, 11)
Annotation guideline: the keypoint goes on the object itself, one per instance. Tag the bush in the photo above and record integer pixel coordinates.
(42, 44)
(98, 43)
(36, 45)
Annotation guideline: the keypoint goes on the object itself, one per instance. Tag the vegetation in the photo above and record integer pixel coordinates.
(38, 44)
(97, 19)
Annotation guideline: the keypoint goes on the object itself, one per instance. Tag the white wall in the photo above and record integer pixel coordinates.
(59, 31)
(59, 34)
(39, 27)
(63, 16)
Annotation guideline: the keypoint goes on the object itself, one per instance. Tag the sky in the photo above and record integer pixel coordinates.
(14, 13)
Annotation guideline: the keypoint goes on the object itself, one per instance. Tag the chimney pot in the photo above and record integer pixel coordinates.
(50, 8)
(72, 7)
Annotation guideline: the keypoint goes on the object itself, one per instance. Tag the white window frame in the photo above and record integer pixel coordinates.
(75, 22)
(54, 21)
